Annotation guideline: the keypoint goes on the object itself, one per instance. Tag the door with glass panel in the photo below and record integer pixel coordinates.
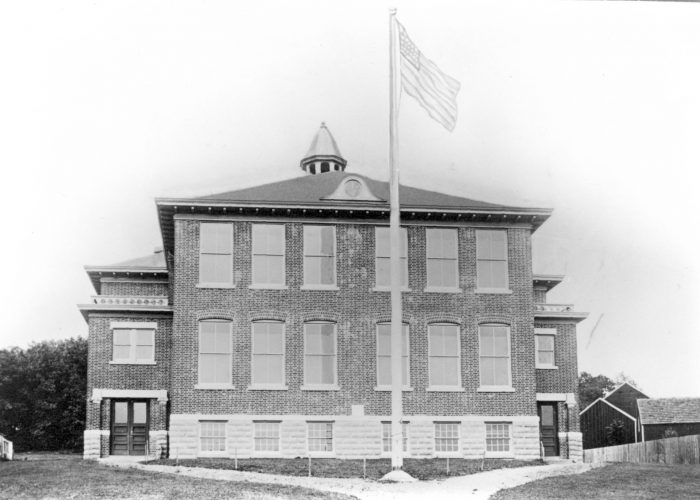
(549, 428)
(129, 427)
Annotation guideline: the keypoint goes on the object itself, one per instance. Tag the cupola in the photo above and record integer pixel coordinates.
(323, 154)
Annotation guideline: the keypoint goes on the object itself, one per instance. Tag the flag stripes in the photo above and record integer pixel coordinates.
(435, 91)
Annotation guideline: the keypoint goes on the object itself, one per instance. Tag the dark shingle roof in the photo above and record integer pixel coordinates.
(311, 189)
(669, 410)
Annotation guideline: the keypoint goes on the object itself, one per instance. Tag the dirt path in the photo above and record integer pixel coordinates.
(473, 487)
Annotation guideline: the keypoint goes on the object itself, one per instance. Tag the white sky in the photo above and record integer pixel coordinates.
(591, 108)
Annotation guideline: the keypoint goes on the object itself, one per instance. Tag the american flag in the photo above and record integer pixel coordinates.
(423, 80)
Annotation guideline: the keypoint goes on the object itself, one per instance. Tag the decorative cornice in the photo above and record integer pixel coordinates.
(122, 300)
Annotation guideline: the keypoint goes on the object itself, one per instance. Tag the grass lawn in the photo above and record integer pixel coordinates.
(80, 479)
(614, 481)
(429, 468)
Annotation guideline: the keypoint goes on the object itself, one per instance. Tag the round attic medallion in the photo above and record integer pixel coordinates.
(352, 188)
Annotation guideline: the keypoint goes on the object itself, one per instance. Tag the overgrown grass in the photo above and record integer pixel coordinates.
(78, 479)
(433, 468)
(614, 481)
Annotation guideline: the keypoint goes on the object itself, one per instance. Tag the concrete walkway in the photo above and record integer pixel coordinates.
(473, 487)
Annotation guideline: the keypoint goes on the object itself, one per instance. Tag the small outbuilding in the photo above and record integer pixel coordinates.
(612, 419)
(661, 417)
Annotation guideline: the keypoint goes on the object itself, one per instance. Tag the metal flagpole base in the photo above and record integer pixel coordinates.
(398, 476)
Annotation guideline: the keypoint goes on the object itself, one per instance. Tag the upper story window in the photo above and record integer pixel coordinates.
(268, 254)
(384, 355)
(133, 343)
(319, 256)
(383, 254)
(320, 355)
(544, 347)
(215, 253)
(215, 353)
(442, 258)
(494, 356)
(491, 260)
(444, 356)
(268, 354)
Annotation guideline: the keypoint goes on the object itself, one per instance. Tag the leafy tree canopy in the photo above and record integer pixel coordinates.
(592, 387)
(42, 394)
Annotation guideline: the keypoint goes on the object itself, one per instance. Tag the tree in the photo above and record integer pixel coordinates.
(591, 388)
(615, 433)
(622, 377)
(42, 394)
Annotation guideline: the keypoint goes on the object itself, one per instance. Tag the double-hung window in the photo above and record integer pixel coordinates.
(320, 363)
(444, 356)
(268, 255)
(319, 256)
(447, 437)
(441, 255)
(494, 356)
(133, 343)
(266, 436)
(491, 260)
(544, 347)
(384, 356)
(212, 436)
(498, 437)
(320, 436)
(386, 437)
(215, 353)
(268, 354)
(215, 254)
(383, 254)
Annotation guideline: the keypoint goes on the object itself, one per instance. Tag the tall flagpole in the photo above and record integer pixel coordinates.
(395, 258)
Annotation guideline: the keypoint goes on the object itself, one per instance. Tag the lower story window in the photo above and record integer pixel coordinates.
(320, 436)
(498, 437)
(267, 436)
(386, 436)
(212, 436)
(446, 436)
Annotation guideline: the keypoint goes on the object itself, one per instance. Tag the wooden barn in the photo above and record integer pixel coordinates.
(618, 407)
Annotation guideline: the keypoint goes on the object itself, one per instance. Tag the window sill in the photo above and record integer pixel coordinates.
(329, 387)
(132, 362)
(494, 291)
(319, 287)
(262, 387)
(321, 454)
(445, 388)
(546, 367)
(214, 387)
(442, 289)
(388, 289)
(448, 454)
(215, 285)
(495, 389)
(268, 287)
(387, 388)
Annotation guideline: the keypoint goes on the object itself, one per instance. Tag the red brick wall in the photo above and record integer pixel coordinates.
(356, 309)
(135, 287)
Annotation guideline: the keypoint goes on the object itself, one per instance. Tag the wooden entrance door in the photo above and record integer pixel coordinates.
(549, 428)
(129, 427)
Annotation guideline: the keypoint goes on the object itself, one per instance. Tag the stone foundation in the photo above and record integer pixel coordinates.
(571, 446)
(158, 444)
(92, 445)
(353, 436)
